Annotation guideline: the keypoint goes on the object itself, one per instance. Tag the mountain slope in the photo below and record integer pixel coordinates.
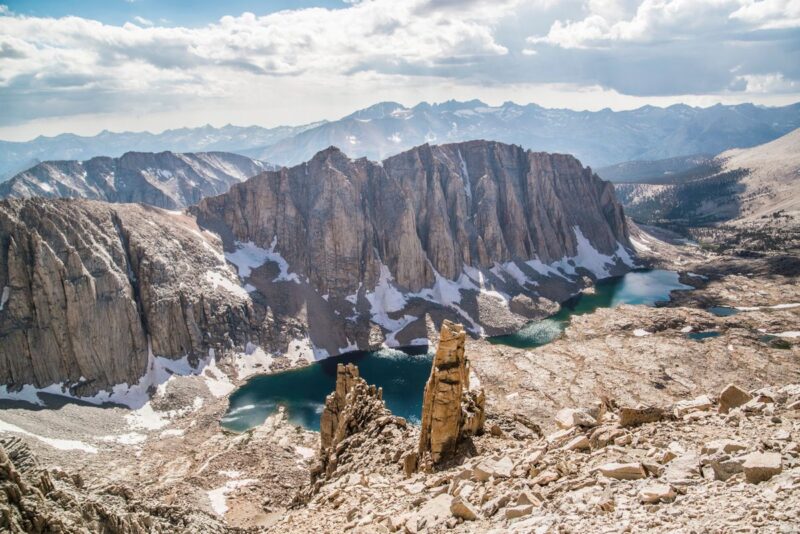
(737, 185)
(17, 156)
(598, 138)
(332, 255)
(454, 229)
(166, 180)
(652, 171)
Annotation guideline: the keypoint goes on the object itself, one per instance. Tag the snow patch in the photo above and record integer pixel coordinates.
(640, 332)
(217, 279)
(60, 444)
(776, 307)
(252, 361)
(4, 297)
(131, 438)
(218, 496)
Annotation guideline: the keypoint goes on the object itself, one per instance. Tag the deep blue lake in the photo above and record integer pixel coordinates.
(402, 374)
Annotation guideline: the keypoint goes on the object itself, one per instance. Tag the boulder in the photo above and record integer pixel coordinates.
(463, 510)
(620, 471)
(637, 416)
(731, 397)
(513, 512)
(654, 493)
(569, 418)
(435, 512)
(761, 466)
(700, 404)
(578, 443)
(723, 445)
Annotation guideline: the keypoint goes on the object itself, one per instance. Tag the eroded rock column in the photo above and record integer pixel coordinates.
(451, 411)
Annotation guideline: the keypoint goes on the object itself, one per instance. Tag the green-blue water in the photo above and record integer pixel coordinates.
(639, 287)
(700, 336)
(723, 311)
(402, 374)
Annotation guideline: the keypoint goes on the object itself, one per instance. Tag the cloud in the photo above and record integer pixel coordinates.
(608, 22)
(273, 66)
(143, 21)
(765, 83)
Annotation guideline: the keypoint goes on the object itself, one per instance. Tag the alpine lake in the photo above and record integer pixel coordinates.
(402, 373)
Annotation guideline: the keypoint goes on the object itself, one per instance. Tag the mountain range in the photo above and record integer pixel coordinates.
(319, 259)
(598, 138)
(165, 179)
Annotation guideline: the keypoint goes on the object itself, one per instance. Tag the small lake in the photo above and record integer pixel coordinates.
(638, 287)
(402, 374)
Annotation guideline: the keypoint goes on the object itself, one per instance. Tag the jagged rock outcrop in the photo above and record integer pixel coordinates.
(353, 413)
(37, 501)
(451, 411)
(87, 285)
(167, 180)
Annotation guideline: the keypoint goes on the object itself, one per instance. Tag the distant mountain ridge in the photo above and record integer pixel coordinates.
(597, 138)
(658, 171)
(166, 180)
(16, 157)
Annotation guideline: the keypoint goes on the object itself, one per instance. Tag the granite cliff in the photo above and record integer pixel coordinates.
(456, 230)
(90, 291)
(332, 255)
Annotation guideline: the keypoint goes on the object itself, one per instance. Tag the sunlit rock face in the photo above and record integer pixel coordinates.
(332, 256)
(451, 410)
(456, 230)
(88, 287)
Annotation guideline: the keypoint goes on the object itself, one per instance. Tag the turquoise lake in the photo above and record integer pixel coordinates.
(637, 287)
(402, 373)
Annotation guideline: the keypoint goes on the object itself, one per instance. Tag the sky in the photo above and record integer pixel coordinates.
(85, 66)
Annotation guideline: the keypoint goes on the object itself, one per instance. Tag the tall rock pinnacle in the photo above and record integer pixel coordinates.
(450, 409)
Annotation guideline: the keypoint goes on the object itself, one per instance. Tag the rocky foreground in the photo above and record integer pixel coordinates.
(170, 467)
(719, 462)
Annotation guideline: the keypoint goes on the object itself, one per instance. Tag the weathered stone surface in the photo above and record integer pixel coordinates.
(732, 397)
(637, 416)
(653, 493)
(348, 410)
(629, 471)
(87, 285)
(723, 445)
(570, 417)
(761, 466)
(578, 443)
(463, 510)
(699, 404)
(450, 410)
(423, 212)
(36, 500)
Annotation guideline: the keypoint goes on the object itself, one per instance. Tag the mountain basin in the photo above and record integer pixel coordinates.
(402, 373)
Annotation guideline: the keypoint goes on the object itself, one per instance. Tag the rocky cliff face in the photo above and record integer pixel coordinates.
(332, 256)
(166, 179)
(89, 287)
(458, 230)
